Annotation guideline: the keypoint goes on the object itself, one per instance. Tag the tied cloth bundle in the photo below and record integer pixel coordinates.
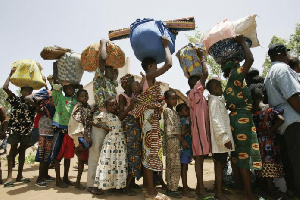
(183, 24)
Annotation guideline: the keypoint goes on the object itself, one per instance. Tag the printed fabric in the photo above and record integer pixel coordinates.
(112, 166)
(187, 137)
(239, 102)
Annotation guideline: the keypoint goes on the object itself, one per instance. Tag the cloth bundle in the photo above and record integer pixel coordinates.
(218, 41)
(27, 74)
(145, 39)
(53, 53)
(183, 24)
(90, 56)
(69, 68)
(189, 61)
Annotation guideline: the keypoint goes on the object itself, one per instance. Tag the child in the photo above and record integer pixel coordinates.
(19, 129)
(267, 121)
(132, 131)
(220, 131)
(3, 128)
(173, 138)
(63, 145)
(79, 129)
(111, 171)
(186, 153)
(104, 85)
(44, 100)
(200, 124)
(148, 107)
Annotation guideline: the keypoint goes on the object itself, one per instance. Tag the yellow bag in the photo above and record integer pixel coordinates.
(90, 56)
(27, 74)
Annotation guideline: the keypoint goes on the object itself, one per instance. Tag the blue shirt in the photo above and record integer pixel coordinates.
(281, 83)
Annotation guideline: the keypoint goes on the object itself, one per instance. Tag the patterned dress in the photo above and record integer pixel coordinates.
(269, 145)
(112, 166)
(133, 134)
(239, 101)
(152, 145)
(173, 164)
(200, 121)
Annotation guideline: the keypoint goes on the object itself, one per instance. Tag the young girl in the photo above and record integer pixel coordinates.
(3, 128)
(186, 153)
(111, 171)
(267, 120)
(172, 141)
(200, 125)
(132, 131)
(79, 129)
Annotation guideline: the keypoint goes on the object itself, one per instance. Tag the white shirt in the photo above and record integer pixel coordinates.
(220, 129)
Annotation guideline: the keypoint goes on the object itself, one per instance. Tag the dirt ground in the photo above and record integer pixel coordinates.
(31, 192)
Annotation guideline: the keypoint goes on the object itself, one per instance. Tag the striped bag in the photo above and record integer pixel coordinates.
(69, 68)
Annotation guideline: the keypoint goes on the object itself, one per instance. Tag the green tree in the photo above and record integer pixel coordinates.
(293, 44)
(3, 101)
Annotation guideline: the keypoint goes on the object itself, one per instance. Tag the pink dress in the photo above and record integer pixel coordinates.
(200, 121)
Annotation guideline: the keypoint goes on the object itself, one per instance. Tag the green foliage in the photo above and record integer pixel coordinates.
(30, 159)
(293, 44)
(3, 101)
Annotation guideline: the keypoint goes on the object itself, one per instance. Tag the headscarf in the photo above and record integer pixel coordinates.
(125, 79)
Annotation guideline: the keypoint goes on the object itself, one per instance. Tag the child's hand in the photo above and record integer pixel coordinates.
(165, 42)
(142, 74)
(103, 41)
(185, 144)
(12, 71)
(88, 140)
(228, 145)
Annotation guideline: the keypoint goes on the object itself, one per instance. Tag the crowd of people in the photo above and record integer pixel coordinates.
(120, 137)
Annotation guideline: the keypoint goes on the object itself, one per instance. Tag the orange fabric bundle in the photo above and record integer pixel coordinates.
(90, 56)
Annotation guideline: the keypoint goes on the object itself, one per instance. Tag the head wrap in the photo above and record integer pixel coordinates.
(125, 79)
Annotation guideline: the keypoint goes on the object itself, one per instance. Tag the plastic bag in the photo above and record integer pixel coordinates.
(27, 74)
(145, 38)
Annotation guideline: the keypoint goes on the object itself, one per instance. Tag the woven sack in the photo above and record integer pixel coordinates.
(189, 61)
(27, 74)
(53, 53)
(145, 39)
(69, 68)
(90, 56)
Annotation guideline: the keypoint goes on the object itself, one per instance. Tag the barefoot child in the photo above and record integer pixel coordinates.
(173, 138)
(63, 145)
(200, 124)
(267, 120)
(111, 171)
(19, 129)
(186, 153)
(132, 131)
(220, 131)
(79, 129)
(148, 107)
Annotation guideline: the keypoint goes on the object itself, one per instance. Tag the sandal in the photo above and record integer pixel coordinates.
(50, 178)
(174, 194)
(24, 180)
(205, 198)
(9, 184)
(42, 184)
(159, 196)
(95, 191)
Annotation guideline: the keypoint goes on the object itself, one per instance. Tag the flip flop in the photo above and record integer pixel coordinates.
(174, 194)
(205, 198)
(9, 184)
(50, 178)
(42, 184)
(159, 196)
(24, 180)
(95, 191)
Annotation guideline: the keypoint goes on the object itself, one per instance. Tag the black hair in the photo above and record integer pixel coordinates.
(294, 62)
(180, 106)
(257, 94)
(22, 88)
(82, 90)
(110, 98)
(168, 93)
(193, 80)
(147, 61)
(253, 77)
(211, 84)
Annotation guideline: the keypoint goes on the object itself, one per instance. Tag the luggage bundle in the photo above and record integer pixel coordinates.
(189, 61)
(69, 69)
(90, 56)
(53, 53)
(219, 42)
(27, 74)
